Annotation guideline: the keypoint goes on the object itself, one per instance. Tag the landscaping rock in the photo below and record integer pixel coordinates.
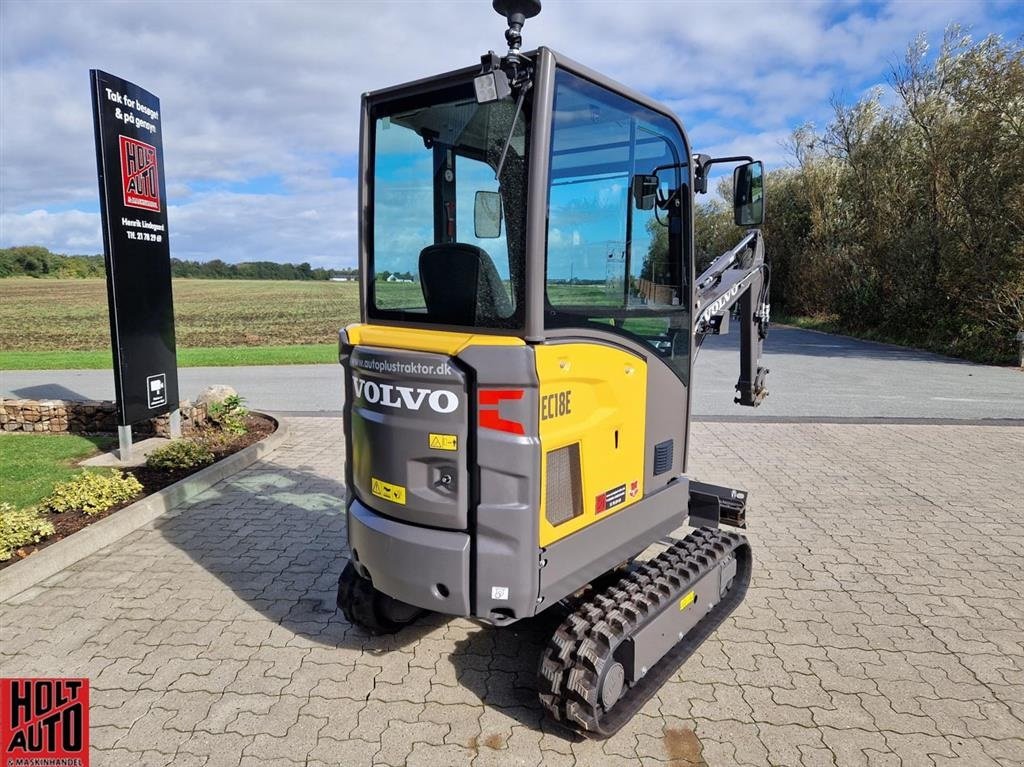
(215, 393)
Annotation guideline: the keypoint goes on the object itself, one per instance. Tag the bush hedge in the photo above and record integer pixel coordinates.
(93, 492)
(20, 527)
(180, 454)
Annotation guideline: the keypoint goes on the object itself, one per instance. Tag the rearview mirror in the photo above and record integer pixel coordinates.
(487, 215)
(748, 194)
(645, 192)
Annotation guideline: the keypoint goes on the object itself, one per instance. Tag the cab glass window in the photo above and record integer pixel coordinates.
(434, 162)
(616, 263)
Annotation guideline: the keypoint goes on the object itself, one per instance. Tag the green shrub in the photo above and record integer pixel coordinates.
(19, 527)
(212, 438)
(229, 414)
(179, 454)
(93, 492)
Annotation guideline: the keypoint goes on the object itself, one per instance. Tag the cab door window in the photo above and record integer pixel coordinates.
(612, 265)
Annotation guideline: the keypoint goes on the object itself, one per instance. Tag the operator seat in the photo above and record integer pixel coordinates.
(461, 285)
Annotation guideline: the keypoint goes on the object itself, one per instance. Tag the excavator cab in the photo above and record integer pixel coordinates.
(517, 392)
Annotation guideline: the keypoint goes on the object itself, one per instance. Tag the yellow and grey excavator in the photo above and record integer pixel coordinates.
(517, 393)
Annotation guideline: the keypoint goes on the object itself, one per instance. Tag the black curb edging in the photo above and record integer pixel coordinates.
(54, 558)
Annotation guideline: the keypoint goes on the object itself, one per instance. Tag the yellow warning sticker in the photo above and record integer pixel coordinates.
(687, 600)
(387, 491)
(443, 442)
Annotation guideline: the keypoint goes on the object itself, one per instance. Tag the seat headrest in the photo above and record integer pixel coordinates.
(461, 286)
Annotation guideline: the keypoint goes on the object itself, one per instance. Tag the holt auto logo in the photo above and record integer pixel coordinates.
(139, 176)
(44, 722)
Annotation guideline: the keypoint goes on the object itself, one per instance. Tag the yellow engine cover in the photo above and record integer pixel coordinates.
(594, 396)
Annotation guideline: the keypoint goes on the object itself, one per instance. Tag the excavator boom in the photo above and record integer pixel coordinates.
(739, 278)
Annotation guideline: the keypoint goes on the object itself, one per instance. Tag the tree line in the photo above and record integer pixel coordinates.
(904, 218)
(37, 261)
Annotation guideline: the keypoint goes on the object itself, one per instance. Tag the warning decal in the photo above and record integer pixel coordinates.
(443, 442)
(609, 500)
(387, 491)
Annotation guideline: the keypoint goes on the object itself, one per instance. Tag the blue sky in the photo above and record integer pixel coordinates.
(260, 100)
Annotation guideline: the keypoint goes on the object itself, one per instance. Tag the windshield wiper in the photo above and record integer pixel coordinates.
(519, 106)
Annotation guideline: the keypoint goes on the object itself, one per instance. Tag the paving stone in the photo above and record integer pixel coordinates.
(855, 747)
(296, 744)
(121, 708)
(882, 625)
(276, 720)
(676, 744)
(463, 721)
(122, 756)
(376, 716)
(351, 751)
(150, 732)
(764, 709)
(624, 742)
(918, 749)
(794, 745)
(189, 709)
(429, 755)
(731, 742)
(400, 736)
(102, 737)
(220, 750)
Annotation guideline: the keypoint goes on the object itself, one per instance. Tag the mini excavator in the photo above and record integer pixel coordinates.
(518, 390)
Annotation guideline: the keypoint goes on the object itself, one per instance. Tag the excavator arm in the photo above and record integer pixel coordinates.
(740, 276)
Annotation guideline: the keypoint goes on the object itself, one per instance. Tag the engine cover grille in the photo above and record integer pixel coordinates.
(564, 497)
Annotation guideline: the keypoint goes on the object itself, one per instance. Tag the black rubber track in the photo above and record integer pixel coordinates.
(363, 605)
(583, 647)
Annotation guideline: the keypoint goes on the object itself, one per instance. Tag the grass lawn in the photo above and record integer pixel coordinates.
(31, 464)
(828, 323)
(297, 354)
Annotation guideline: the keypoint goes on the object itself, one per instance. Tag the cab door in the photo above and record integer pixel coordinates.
(617, 299)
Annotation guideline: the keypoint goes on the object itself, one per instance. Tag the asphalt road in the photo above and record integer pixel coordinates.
(813, 375)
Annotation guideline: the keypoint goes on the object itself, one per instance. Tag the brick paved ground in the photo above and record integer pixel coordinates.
(883, 625)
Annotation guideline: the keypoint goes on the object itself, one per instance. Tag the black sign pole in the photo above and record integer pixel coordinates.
(133, 206)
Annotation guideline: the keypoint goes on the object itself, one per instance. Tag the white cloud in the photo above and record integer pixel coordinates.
(318, 227)
(270, 90)
(70, 231)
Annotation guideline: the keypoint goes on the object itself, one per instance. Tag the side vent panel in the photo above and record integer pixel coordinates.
(564, 496)
(663, 457)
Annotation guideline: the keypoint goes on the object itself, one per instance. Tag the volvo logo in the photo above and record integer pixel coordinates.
(405, 397)
(719, 304)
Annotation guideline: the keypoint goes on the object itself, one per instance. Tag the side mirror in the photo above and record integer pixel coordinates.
(645, 192)
(487, 215)
(748, 194)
